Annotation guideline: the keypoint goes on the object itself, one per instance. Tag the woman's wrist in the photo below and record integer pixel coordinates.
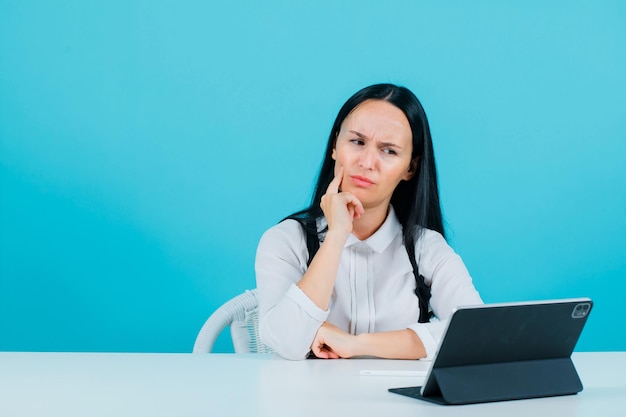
(399, 344)
(336, 238)
(360, 345)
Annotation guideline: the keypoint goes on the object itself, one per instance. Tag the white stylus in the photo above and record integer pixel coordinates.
(367, 372)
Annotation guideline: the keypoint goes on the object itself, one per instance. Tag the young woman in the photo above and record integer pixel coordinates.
(360, 271)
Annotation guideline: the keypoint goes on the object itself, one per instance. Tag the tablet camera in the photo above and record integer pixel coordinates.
(581, 310)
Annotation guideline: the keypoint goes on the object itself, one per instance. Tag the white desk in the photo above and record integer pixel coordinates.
(176, 385)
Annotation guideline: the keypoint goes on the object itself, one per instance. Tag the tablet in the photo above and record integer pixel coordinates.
(509, 351)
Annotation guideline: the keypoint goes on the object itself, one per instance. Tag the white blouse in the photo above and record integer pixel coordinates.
(374, 287)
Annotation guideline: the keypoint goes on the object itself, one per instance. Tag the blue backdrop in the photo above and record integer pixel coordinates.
(146, 145)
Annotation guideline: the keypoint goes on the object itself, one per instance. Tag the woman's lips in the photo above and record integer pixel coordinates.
(361, 181)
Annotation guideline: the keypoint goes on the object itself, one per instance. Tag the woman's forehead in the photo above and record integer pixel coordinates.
(378, 117)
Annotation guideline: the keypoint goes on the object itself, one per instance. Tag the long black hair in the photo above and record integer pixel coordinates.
(415, 201)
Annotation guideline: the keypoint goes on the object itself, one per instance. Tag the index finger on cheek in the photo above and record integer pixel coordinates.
(334, 185)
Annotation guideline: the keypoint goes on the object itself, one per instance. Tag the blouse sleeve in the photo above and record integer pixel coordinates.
(450, 283)
(288, 318)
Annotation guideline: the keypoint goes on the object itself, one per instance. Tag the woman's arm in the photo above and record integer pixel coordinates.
(340, 209)
(445, 272)
(288, 319)
(450, 283)
(331, 343)
(319, 279)
(289, 314)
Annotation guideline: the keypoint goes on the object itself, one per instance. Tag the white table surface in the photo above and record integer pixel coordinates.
(117, 384)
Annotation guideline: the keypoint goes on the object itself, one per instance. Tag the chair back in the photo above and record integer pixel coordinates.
(241, 313)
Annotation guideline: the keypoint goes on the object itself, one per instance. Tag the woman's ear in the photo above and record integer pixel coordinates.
(334, 154)
(413, 165)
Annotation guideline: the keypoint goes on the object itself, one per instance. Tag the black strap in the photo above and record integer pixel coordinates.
(422, 291)
(312, 240)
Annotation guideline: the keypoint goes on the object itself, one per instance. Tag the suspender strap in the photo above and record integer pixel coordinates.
(312, 241)
(422, 291)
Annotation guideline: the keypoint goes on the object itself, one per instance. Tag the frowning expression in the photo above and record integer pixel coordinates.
(374, 146)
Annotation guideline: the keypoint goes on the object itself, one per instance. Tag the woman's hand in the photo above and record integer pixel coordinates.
(340, 208)
(332, 343)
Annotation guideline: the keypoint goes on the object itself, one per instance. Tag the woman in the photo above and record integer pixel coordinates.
(383, 265)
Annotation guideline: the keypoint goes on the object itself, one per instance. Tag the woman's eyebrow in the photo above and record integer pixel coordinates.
(359, 134)
(383, 144)
(390, 145)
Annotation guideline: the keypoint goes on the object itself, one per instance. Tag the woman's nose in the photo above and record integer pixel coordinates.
(367, 158)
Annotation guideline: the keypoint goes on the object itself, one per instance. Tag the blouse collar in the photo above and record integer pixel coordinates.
(383, 237)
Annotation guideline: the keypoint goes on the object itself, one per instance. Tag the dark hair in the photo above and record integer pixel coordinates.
(416, 201)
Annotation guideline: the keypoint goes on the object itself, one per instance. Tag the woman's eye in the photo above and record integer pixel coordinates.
(389, 151)
(357, 141)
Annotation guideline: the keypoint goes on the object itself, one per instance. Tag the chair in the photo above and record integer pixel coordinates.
(241, 313)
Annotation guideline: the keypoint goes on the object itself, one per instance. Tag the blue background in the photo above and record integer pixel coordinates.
(146, 145)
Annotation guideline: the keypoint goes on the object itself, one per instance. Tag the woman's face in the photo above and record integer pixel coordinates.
(374, 146)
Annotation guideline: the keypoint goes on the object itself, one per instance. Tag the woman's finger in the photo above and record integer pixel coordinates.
(354, 205)
(333, 187)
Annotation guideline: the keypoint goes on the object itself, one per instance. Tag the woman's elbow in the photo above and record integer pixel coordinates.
(283, 345)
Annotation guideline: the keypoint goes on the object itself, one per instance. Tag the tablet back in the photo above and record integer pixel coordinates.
(498, 352)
